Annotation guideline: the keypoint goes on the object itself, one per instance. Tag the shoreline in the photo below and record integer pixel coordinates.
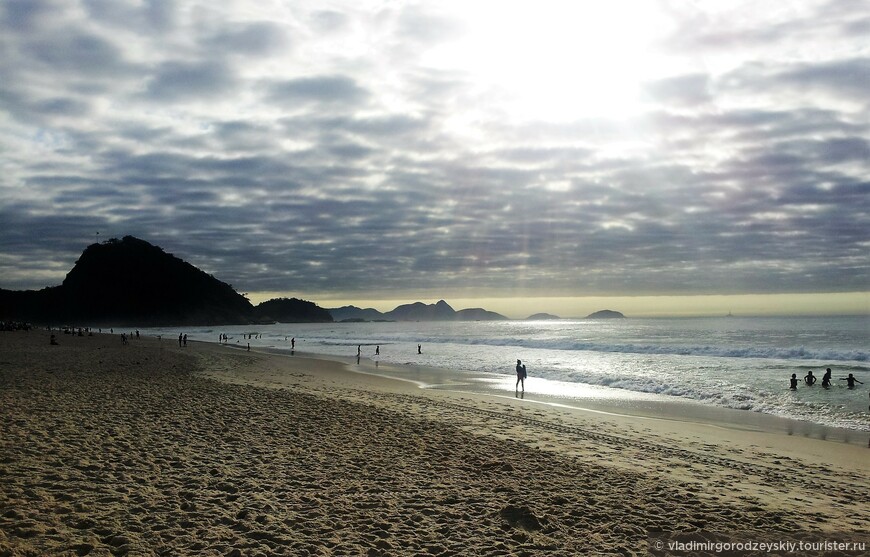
(660, 422)
(629, 404)
(733, 379)
(150, 448)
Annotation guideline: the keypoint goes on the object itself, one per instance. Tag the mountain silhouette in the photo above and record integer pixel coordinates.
(353, 313)
(417, 311)
(292, 310)
(542, 317)
(131, 282)
(605, 314)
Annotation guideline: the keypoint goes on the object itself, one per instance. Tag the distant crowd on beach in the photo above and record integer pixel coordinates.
(810, 380)
(15, 326)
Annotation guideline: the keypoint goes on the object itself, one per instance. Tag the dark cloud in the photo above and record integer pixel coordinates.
(848, 77)
(178, 81)
(261, 38)
(24, 16)
(319, 89)
(151, 15)
(77, 53)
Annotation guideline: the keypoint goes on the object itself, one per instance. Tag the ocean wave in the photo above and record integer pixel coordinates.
(788, 353)
(761, 352)
(751, 400)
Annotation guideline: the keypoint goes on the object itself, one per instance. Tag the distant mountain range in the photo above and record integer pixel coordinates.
(131, 282)
(418, 311)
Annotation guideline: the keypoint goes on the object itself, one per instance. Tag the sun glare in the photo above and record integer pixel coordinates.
(556, 60)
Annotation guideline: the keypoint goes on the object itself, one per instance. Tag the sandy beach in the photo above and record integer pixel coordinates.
(154, 449)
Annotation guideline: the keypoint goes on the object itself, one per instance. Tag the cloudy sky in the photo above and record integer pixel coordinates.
(362, 150)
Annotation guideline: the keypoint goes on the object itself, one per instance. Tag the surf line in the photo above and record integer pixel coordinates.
(603, 412)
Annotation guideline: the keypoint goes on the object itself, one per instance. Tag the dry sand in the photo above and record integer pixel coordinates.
(152, 449)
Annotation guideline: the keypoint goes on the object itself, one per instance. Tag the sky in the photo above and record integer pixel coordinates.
(528, 155)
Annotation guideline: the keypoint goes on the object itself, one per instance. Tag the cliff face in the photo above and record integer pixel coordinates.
(130, 281)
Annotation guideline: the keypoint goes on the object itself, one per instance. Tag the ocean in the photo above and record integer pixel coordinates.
(742, 363)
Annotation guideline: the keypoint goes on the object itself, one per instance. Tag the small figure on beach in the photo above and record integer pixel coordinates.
(419, 349)
(179, 339)
(377, 350)
(794, 382)
(293, 343)
(53, 341)
(521, 376)
(850, 381)
(137, 334)
(185, 339)
(826, 378)
(810, 379)
(358, 352)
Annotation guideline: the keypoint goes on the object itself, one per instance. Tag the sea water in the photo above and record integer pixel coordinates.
(742, 363)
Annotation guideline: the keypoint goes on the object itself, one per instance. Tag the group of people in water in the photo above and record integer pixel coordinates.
(811, 379)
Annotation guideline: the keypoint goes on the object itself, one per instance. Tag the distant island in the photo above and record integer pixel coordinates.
(605, 314)
(542, 317)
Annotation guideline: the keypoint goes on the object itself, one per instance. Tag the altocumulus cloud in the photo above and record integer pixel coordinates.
(345, 152)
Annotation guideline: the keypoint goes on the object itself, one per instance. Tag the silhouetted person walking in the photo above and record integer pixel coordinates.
(521, 376)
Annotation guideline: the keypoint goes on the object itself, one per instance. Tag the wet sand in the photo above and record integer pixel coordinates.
(604, 400)
(152, 449)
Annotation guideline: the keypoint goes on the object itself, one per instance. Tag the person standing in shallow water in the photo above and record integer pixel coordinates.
(850, 381)
(794, 382)
(521, 376)
(810, 379)
(826, 378)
